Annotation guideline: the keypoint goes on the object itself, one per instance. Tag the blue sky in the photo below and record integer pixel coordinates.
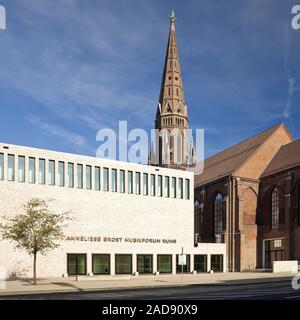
(71, 67)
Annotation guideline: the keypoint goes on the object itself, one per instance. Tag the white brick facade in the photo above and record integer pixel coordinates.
(101, 214)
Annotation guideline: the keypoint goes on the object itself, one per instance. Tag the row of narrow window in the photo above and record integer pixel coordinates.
(219, 212)
(159, 186)
(169, 121)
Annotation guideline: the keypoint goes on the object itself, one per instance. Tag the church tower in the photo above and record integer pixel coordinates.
(173, 147)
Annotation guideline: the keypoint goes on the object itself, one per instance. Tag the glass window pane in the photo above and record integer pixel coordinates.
(21, 169)
(42, 171)
(130, 182)
(51, 172)
(88, 177)
(180, 188)
(114, 180)
(160, 187)
(144, 263)
(137, 183)
(105, 179)
(200, 263)
(70, 175)
(122, 181)
(61, 174)
(167, 187)
(123, 263)
(217, 262)
(11, 168)
(164, 263)
(173, 187)
(185, 267)
(101, 264)
(152, 183)
(97, 178)
(145, 184)
(31, 173)
(187, 189)
(81, 264)
(1, 166)
(79, 176)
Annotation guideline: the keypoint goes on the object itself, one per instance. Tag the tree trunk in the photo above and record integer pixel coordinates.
(34, 268)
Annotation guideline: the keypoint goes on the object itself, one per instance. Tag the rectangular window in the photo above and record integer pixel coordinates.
(76, 264)
(122, 181)
(21, 169)
(137, 183)
(173, 187)
(31, 173)
(216, 262)
(101, 263)
(70, 175)
(114, 180)
(123, 263)
(130, 182)
(152, 183)
(51, 172)
(11, 168)
(145, 184)
(183, 268)
(200, 263)
(61, 174)
(1, 166)
(42, 171)
(97, 178)
(164, 263)
(105, 179)
(160, 186)
(79, 176)
(167, 187)
(88, 177)
(180, 188)
(144, 263)
(187, 189)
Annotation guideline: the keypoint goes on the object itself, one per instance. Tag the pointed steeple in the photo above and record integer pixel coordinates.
(173, 150)
(171, 99)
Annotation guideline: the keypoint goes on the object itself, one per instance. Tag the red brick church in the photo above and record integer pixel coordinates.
(249, 197)
(249, 194)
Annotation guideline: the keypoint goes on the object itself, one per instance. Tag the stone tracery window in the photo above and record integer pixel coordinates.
(218, 216)
(275, 208)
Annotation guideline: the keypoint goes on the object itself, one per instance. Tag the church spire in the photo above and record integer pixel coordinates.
(171, 99)
(174, 149)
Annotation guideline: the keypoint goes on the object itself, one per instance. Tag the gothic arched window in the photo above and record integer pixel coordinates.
(275, 208)
(299, 205)
(218, 215)
(197, 217)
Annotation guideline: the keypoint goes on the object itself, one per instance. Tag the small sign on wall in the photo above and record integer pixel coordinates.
(182, 260)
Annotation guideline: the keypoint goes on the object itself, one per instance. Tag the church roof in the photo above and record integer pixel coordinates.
(287, 157)
(231, 159)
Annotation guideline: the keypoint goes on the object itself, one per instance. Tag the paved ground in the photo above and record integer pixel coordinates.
(208, 287)
(256, 291)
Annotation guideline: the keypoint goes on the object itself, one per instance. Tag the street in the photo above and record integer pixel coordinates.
(279, 290)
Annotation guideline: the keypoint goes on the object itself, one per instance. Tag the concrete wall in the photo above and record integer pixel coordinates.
(285, 266)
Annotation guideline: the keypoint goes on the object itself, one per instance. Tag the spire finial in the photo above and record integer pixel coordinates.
(172, 16)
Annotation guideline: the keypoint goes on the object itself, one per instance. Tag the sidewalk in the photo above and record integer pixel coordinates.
(98, 283)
